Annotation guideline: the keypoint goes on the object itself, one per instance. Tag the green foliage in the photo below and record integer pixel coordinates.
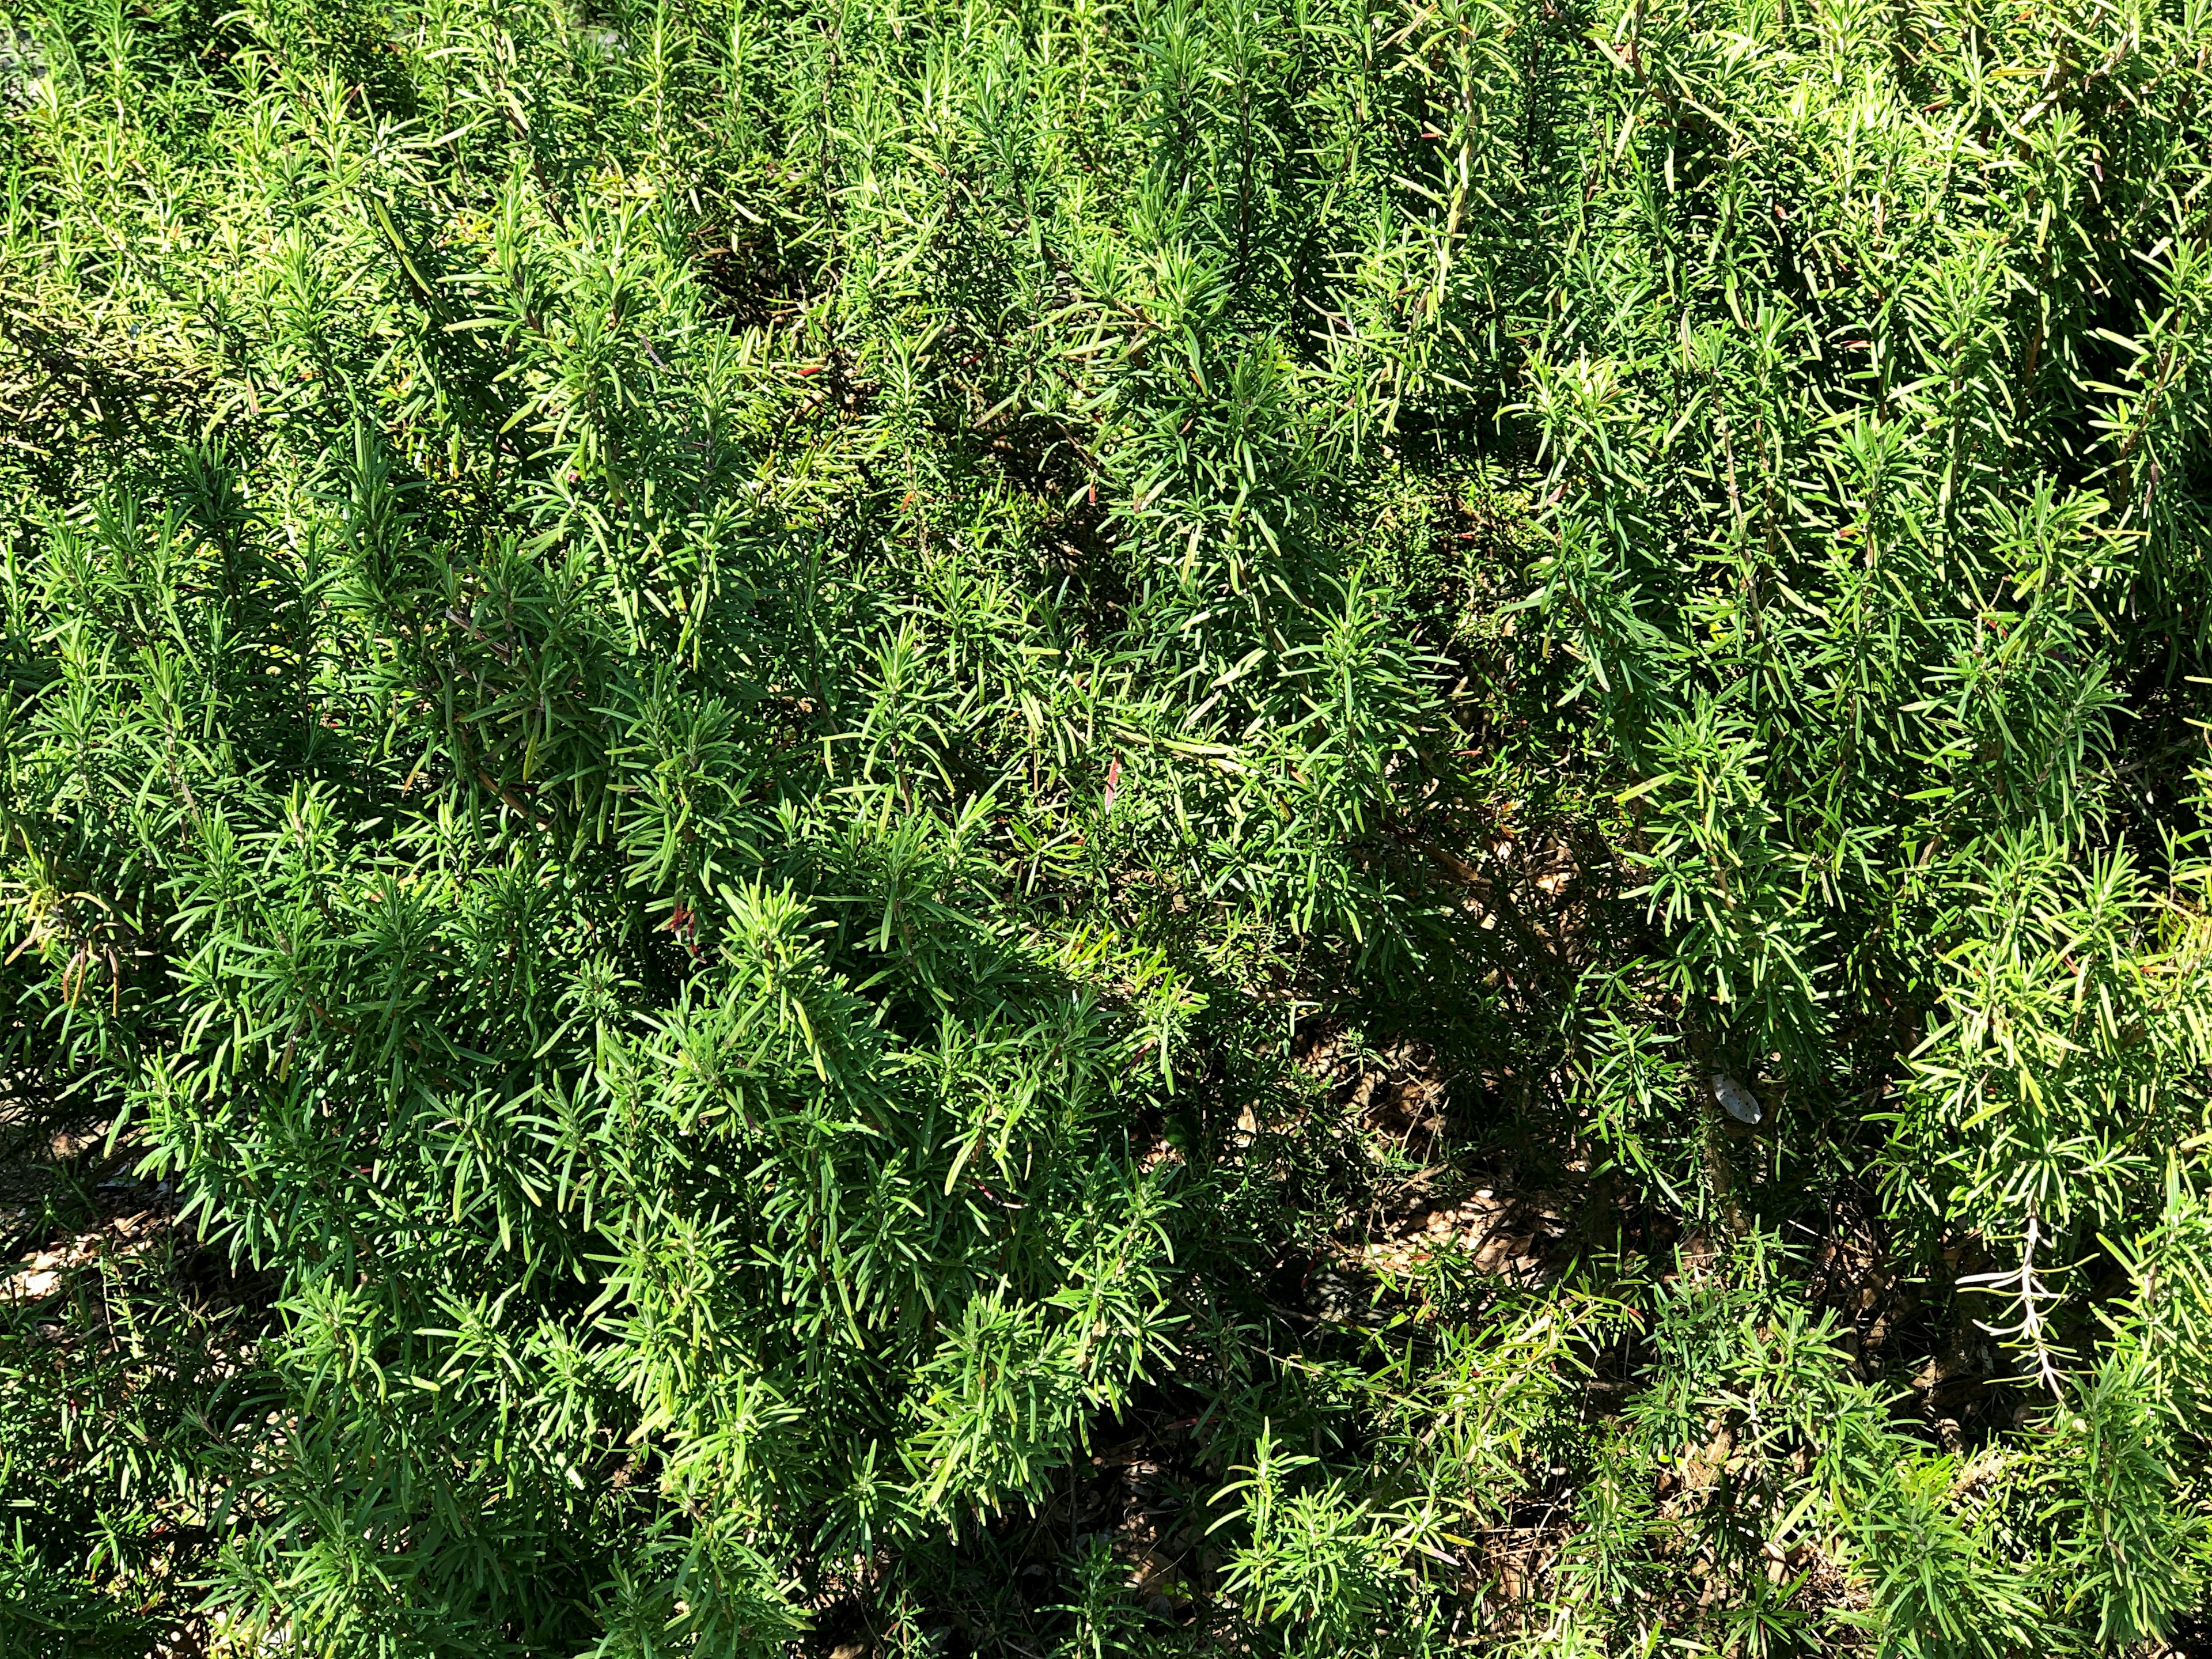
(831, 827)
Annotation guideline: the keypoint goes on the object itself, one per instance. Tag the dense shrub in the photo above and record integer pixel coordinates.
(979, 829)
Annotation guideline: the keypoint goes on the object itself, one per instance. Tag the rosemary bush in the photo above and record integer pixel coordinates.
(1105, 827)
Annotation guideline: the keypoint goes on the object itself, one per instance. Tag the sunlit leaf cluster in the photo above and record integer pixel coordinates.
(1297, 828)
